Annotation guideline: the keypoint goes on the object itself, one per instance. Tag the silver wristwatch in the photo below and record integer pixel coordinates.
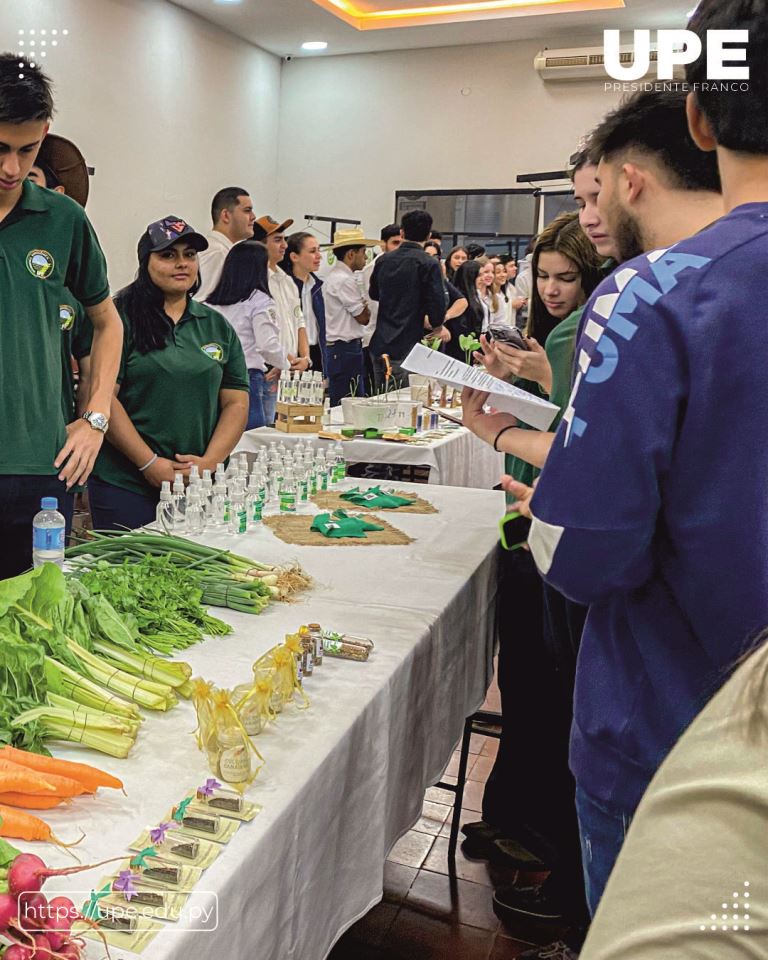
(97, 420)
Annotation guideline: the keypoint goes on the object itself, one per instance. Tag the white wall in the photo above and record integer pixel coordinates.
(165, 106)
(355, 129)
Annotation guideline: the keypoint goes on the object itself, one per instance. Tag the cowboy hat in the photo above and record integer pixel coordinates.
(68, 166)
(350, 237)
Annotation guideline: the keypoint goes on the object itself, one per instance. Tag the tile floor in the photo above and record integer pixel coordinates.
(427, 914)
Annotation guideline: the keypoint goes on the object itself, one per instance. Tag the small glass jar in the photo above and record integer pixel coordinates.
(235, 756)
(251, 717)
(316, 634)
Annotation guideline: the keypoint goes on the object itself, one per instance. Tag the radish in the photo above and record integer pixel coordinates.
(70, 951)
(29, 873)
(42, 948)
(60, 916)
(8, 911)
(17, 952)
(33, 910)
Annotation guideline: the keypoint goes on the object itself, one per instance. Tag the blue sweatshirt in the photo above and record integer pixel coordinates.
(653, 504)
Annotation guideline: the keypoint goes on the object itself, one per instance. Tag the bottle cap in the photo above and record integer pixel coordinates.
(49, 503)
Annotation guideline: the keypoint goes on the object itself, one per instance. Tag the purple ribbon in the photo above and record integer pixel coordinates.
(209, 787)
(124, 884)
(158, 834)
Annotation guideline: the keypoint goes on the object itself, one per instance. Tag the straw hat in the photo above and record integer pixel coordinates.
(68, 164)
(350, 237)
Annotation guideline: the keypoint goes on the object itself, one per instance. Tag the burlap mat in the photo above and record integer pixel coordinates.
(331, 500)
(295, 529)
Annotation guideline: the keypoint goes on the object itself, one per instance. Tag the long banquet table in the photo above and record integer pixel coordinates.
(457, 459)
(343, 779)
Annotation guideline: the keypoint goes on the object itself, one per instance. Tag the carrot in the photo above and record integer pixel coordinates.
(23, 826)
(90, 777)
(30, 801)
(21, 780)
(61, 786)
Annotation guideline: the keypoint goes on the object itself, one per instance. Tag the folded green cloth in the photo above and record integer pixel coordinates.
(375, 497)
(339, 524)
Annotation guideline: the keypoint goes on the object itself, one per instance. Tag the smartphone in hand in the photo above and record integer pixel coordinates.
(504, 333)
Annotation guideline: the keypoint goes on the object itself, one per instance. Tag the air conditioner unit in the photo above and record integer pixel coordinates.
(587, 63)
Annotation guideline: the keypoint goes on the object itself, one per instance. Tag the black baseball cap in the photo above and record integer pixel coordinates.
(164, 233)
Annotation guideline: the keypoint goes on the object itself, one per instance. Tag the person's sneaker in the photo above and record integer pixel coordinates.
(512, 903)
(479, 828)
(553, 951)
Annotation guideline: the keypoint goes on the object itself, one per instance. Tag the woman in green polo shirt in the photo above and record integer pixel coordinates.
(182, 394)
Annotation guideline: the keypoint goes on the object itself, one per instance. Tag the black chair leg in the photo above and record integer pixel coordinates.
(459, 798)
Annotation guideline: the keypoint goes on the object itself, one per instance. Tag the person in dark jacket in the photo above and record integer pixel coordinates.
(408, 285)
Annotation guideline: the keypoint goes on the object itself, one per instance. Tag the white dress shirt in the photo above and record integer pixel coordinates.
(211, 263)
(289, 315)
(310, 320)
(255, 323)
(344, 301)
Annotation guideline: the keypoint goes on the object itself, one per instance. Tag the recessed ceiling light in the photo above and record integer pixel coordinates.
(314, 45)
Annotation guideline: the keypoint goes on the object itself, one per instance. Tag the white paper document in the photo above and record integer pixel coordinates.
(532, 410)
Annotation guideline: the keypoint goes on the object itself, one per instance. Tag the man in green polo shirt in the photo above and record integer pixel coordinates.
(49, 253)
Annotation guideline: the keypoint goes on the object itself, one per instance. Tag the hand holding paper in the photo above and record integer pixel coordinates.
(532, 410)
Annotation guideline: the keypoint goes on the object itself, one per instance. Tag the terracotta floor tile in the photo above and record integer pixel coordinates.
(397, 881)
(412, 849)
(491, 747)
(438, 795)
(454, 900)
(432, 818)
(473, 795)
(481, 769)
(476, 743)
(474, 870)
(452, 769)
(374, 926)
(413, 935)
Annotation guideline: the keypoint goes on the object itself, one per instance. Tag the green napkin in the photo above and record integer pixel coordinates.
(376, 498)
(340, 525)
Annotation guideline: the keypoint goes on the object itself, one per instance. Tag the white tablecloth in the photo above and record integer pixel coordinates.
(345, 778)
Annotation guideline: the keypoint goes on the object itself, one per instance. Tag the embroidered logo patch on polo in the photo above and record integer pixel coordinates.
(66, 317)
(213, 350)
(40, 264)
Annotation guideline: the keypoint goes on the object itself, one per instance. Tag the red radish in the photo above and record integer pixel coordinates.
(17, 952)
(8, 911)
(33, 910)
(70, 951)
(61, 913)
(42, 948)
(28, 872)
(57, 940)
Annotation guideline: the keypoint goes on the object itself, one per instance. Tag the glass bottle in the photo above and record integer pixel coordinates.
(288, 493)
(164, 514)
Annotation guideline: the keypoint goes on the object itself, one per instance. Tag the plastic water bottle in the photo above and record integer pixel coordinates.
(340, 463)
(179, 502)
(288, 493)
(164, 514)
(238, 514)
(254, 501)
(48, 534)
(322, 472)
(195, 516)
(217, 513)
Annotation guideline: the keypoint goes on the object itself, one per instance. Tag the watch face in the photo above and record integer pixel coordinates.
(98, 421)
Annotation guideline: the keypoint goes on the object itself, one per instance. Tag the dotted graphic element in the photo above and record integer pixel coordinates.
(36, 46)
(736, 917)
